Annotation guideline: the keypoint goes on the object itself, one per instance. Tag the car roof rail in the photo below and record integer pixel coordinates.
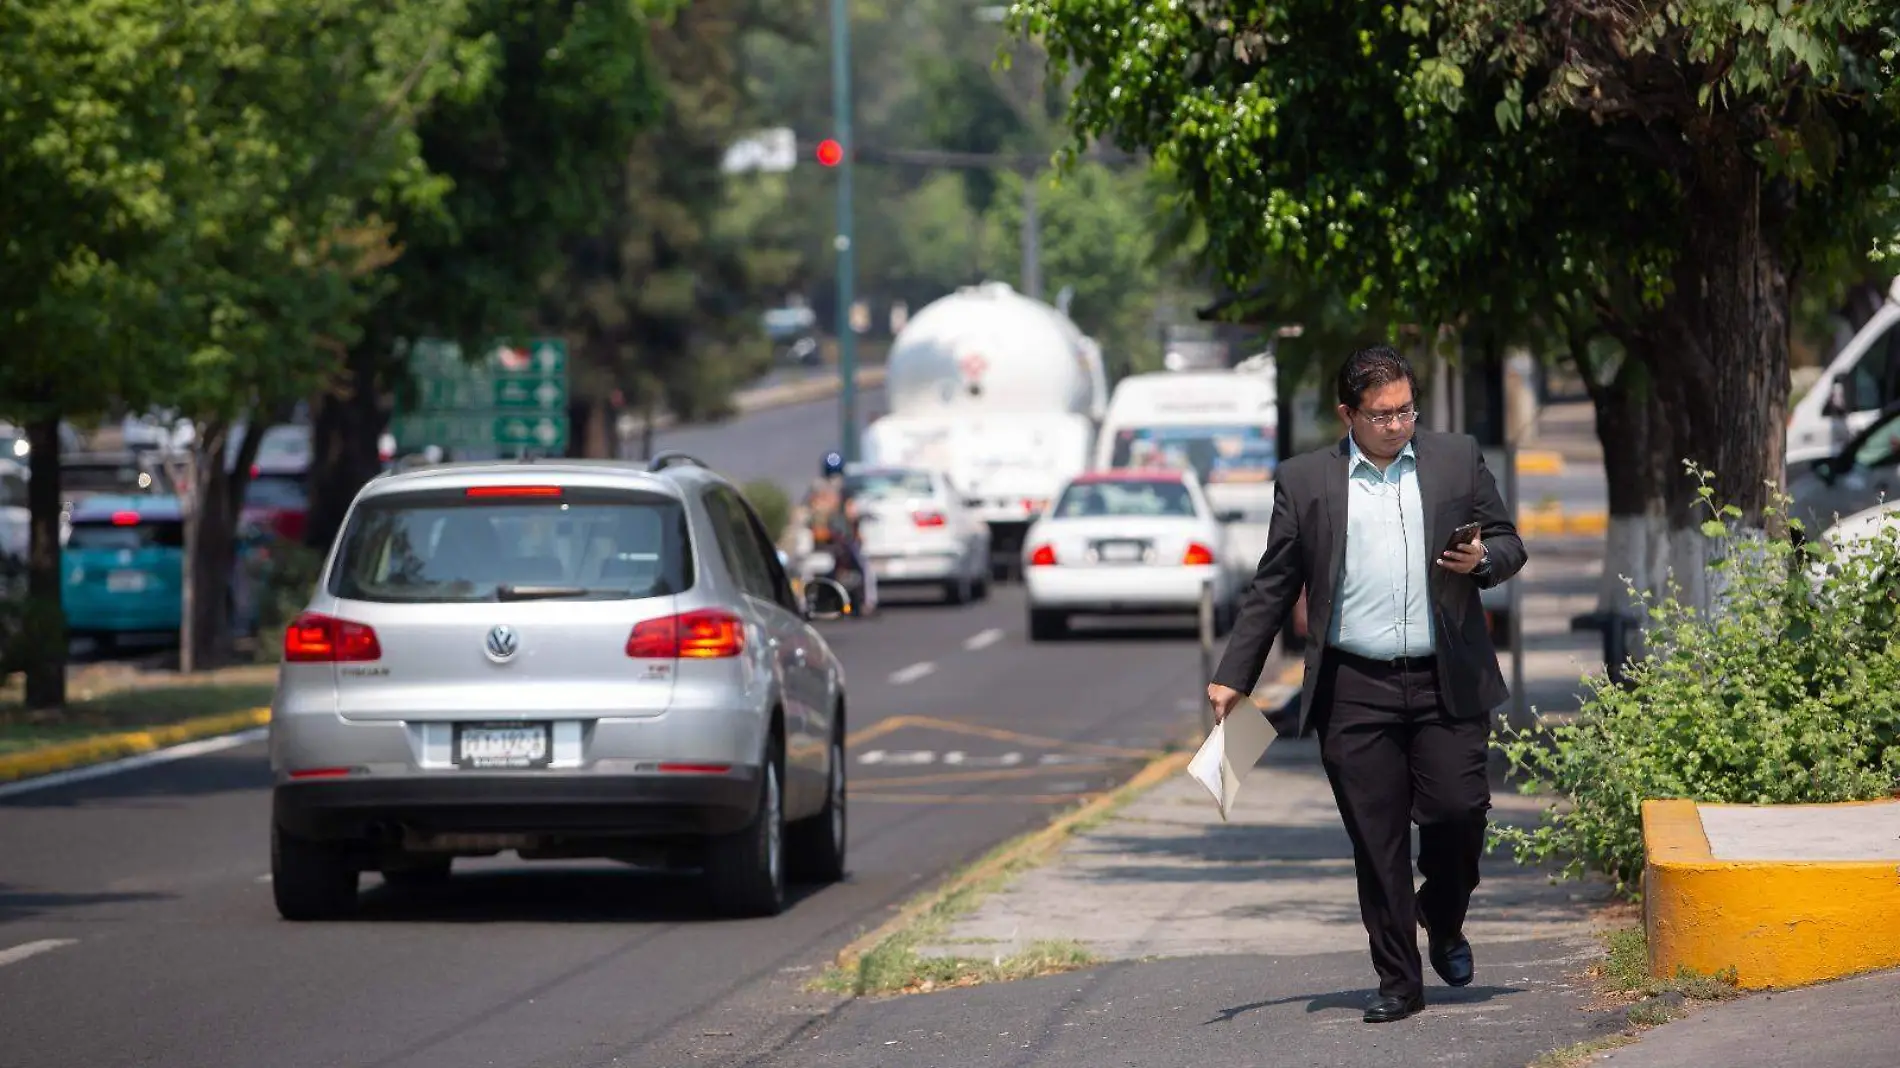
(663, 460)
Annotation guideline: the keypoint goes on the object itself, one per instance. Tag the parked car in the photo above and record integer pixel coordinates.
(917, 531)
(564, 659)
(1121, 541)
(1860, 476)
(124, 564)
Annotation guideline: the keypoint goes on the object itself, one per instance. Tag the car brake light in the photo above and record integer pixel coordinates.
(1197, 554)
(927, 519)
(313, 638)
(1044, 556)
(512, 491)
(125, 519)
(708, 634)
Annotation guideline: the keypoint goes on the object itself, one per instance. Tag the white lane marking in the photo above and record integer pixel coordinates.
(159, 756)
(32, 949)
(959, 757)
(905, 676)
(900, 758)
(984, 639)
(262, 878)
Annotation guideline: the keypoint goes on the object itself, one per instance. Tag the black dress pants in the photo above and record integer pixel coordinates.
(1394, 756)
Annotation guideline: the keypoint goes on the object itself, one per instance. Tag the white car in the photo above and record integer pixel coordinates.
(1125, 541)
(916, 531)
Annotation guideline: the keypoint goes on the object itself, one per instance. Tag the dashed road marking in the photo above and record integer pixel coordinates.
(983, 639)
(32, 949)
(905, 676)
(901, 758)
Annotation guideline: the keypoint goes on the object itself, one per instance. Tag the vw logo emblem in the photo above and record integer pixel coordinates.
(502, 643)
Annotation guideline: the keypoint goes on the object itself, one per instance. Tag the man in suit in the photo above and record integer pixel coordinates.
(1401, 675)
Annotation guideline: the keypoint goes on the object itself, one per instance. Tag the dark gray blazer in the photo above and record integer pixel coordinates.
(1306, 547)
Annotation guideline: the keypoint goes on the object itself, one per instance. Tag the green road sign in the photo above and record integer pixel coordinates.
(513, 399)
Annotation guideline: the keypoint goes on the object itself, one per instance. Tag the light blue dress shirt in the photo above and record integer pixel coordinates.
(1383, 609)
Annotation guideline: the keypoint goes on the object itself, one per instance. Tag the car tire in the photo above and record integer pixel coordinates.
(1046, 625)
(817, 844)
(959, 590)
(745, 870)
(311, 880)
(419, 873)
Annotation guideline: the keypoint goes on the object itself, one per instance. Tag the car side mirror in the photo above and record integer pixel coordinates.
(1230, 515)
(826, 599)
(1836, 405)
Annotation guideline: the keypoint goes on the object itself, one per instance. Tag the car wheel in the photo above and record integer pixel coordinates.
(1047, 626)
(746, 869)
(310, 880)
(419, 872)
(958, 590)
(818, 844)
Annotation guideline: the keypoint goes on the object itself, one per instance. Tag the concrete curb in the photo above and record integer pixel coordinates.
(97, 750)
(1555, 521)
(1778, 923)
(1540, 462)
(1026, 846)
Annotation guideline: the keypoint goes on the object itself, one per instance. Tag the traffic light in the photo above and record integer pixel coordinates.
(830, 152)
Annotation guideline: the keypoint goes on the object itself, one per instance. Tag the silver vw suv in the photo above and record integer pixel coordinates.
(567, 659)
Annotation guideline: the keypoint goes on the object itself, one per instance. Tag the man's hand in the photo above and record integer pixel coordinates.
(1463, 559)
(1224, 699)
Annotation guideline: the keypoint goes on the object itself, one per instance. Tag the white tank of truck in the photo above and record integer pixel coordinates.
(988, 348)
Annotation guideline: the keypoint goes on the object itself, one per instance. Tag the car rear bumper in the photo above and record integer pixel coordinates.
(915, 567)
(1121, 589)
(386, 808)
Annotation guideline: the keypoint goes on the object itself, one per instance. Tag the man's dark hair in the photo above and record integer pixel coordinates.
(1370, 368)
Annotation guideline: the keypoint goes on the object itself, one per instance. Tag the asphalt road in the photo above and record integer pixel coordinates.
(136, 925)
(786, 445)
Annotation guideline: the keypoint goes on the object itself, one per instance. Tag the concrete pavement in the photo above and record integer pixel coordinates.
(1847, 1024)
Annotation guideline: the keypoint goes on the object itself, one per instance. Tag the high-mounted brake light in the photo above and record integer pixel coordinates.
(1197, 554)
(313, 638)
(125, 519)
(512, 491)
(1044, 556)
(708, 634)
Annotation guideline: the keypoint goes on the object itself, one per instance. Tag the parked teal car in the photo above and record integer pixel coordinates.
(124, 564)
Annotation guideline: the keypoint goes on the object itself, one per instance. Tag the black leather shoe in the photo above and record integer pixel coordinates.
(1451, 959)
(1390, 1009)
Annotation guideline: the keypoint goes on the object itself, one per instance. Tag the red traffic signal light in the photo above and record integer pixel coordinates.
(830, 152)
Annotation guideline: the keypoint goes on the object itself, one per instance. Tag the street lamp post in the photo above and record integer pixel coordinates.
(847, 257)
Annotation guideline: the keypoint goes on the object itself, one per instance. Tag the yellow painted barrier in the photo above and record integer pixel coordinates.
(1557, 522)
(1540, 462)
(1777, 923)
(63, 756)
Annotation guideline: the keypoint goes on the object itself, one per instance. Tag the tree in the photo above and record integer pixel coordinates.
(1659, 174)
(528, 158)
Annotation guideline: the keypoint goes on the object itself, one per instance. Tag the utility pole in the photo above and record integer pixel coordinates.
(847, 256)
(1032, 238)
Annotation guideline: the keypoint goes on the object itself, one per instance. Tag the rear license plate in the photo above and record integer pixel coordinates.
(1119, 552)
(125, 581)
(502, 745)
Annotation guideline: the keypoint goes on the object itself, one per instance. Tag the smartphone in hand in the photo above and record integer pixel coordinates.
(1462, 536)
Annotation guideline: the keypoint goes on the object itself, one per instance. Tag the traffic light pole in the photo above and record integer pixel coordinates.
(847, 255)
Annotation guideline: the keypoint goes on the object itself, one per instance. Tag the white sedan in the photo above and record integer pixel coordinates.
(916, 531)
(1124, 541)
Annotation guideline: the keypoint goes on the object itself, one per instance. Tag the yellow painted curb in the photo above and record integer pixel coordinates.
(1540, 462)
(1556, 522)
(1029, 845)
(1778, 923)
(97, 750)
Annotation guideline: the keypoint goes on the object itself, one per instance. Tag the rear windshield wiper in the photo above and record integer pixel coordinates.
(543, 593)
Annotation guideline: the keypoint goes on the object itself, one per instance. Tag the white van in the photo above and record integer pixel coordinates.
(1863, 379)
(1223, 424)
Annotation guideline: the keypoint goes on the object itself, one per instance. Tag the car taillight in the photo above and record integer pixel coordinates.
(707, 634)
(927, 519)
(1044, 556)
(1197, 554)
(313, 638)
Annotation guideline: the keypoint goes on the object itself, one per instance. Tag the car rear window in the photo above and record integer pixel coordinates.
(886, 485)
(444, 546)
(164, 534)
(275, 491)
(1125, 498)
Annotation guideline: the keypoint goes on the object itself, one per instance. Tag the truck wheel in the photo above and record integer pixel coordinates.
(310, 880)
(745, 870)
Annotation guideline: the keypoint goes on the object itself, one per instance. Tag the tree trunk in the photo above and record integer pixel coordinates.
(43, 630)
(1622, 408)
(1721, 346)
(217, 502)
(344, 429)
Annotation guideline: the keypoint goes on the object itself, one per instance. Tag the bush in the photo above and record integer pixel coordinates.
(284, 573)
(772, 503)
(1788, 691)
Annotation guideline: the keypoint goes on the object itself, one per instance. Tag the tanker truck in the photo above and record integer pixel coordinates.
(1001, 393)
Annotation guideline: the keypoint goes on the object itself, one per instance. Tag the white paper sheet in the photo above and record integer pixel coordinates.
(1234, 745)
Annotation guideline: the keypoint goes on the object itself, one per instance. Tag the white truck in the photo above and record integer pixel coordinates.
(1862, 380)
(1222, 423)
(999, 392)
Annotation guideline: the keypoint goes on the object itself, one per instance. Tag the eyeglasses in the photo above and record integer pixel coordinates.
(1401, 417)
